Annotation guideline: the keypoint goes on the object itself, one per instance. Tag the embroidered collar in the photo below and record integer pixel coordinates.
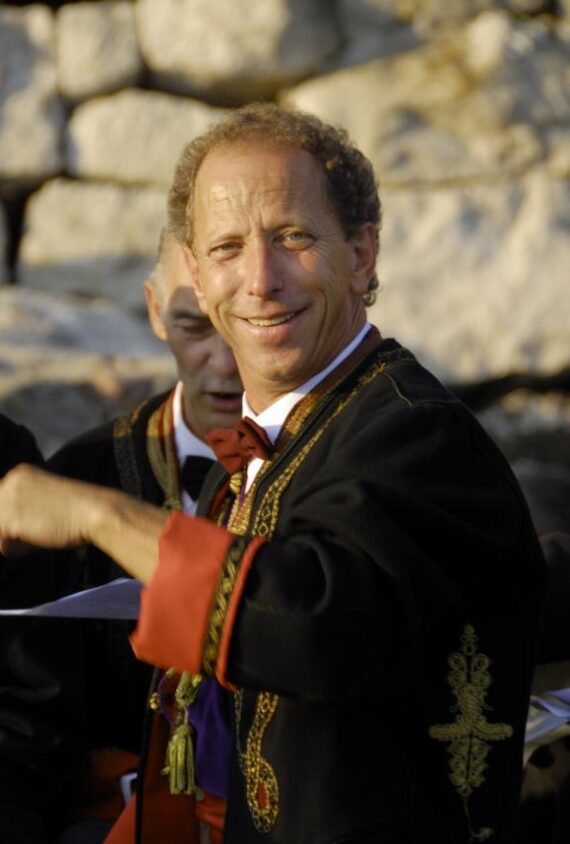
(273, 417)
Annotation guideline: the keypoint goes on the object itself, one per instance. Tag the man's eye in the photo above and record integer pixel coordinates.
(196, 331)
(224, 250)
(297, 239)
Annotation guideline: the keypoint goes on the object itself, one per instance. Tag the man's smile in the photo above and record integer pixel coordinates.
(267, 322)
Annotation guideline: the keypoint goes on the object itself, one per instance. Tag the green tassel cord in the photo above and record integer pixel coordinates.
(180, 751)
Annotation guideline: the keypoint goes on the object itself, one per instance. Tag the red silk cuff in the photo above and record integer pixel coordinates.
(175, 605)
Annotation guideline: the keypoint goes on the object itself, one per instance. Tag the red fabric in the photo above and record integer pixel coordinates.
(235, 600)
(103, 796)
(175, 605)
(166, 817)
(212, 812)
(235, 447)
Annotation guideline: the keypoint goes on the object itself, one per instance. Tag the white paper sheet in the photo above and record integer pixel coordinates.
(548, 713)
(119, 599)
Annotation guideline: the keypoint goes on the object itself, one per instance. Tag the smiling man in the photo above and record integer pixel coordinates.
(361, 586)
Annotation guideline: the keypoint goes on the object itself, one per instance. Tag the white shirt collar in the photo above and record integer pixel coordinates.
(187, 443)
(273, 417)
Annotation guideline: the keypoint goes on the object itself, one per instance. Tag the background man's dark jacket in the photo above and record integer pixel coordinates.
(39, 733)
(116, 683)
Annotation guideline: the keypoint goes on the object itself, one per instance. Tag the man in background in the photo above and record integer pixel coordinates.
(156, 452)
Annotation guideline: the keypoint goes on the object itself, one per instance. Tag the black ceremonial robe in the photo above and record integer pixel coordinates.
(38, 741)
(373, 607)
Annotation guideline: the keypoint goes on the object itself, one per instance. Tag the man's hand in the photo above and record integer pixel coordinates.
(39, 509)
(45, 510)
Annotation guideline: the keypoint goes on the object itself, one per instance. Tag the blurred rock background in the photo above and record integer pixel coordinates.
(462, 105)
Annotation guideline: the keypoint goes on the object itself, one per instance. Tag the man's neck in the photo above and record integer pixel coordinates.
(291, 397)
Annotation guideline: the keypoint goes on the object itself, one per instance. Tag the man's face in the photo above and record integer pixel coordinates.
(206, 366)
(272, 267)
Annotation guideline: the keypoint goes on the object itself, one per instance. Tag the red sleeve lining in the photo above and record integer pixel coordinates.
(175, 605)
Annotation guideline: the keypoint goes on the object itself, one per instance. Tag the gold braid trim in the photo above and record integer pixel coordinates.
(125, 456)
(302, 411)
(267, 513)
(469, 735)
(162, 454)
(222, 596)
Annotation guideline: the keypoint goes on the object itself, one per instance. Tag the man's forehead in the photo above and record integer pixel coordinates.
(229, 164)
(172, 258)
(173, 270)
(238, 175)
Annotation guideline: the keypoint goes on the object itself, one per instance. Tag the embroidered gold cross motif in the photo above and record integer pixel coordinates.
(469, 736)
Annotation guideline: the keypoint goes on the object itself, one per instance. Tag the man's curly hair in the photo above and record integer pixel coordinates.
(348, 173)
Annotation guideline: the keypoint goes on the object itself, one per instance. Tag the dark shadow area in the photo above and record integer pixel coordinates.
(481, 394)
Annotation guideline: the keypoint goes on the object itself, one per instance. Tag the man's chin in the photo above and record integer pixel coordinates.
(222, 410)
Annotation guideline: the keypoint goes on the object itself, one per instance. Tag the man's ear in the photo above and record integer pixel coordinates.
(154, 308)
(194, 274)
(363, 258)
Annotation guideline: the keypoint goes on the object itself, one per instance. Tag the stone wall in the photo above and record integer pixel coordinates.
(462, 105)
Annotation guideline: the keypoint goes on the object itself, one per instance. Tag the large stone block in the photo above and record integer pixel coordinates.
(94, 239)
(476, 101)
(3, 246)
(521, 68)
(240, 49)
(96, 48)
(419, 118)
(371, 29)
(31, 114)
(134, 137)
(474, 278)
(558, 144)
(56, 324)
(428, 15)
(91, 360)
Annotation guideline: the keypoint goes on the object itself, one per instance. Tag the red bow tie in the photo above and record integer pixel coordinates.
(235, 447)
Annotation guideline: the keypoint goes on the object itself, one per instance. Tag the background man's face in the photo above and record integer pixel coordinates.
(206, 365)
(272, 266)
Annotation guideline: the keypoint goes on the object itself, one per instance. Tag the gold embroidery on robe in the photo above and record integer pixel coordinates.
(262, 787)
(469, 737)
(222, 596)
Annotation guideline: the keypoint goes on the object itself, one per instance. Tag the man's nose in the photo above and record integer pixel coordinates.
(263, 276)
(222, 358)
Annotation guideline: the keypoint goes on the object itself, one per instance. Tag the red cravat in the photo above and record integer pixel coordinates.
(235, 447)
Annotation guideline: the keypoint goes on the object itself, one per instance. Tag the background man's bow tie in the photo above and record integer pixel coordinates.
(235, 447)
(193, 474)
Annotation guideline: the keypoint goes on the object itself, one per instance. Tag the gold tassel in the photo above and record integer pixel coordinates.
(180, 766)
(180, 761)
(236, 481)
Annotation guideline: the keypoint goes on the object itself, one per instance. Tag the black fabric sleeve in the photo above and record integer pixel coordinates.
(39, 690)
(17, 445)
